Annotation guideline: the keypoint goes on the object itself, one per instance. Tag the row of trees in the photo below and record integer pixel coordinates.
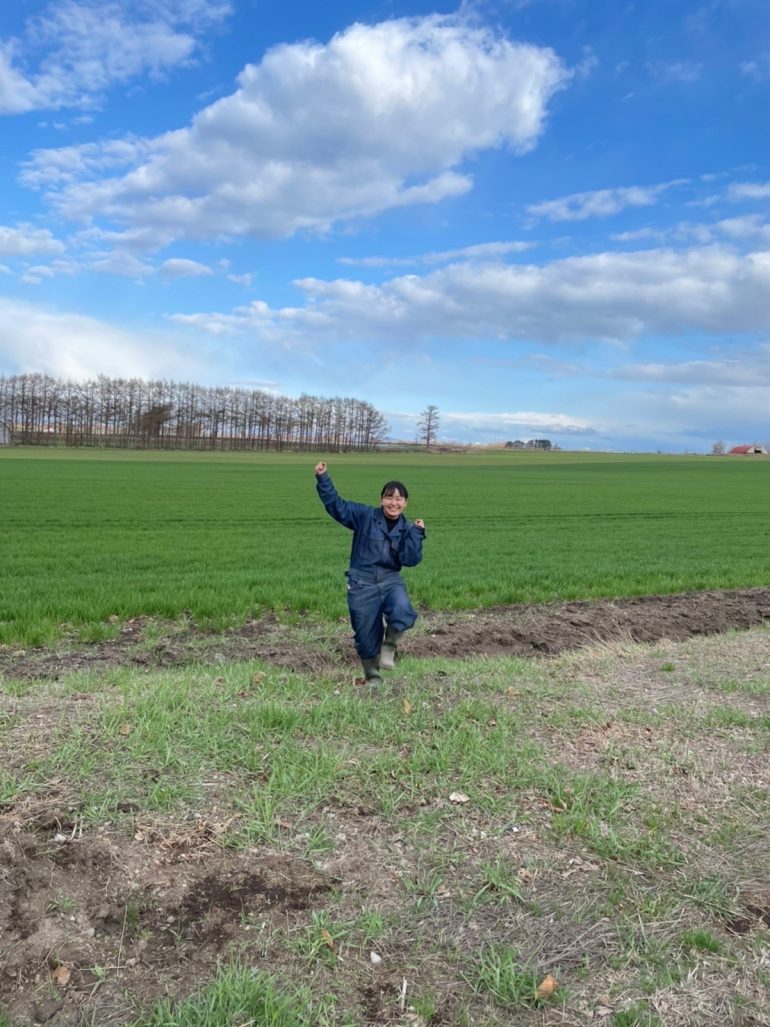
(531, 444)
(37, 409)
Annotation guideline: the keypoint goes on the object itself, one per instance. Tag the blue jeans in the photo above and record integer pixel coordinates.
(373, 602)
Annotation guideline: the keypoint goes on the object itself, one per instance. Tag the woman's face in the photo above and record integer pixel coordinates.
(393, 505)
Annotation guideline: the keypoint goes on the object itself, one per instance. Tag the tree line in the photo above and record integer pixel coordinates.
(37, 409)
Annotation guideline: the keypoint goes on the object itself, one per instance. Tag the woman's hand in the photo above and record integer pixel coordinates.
(419, 523)
(320, 468)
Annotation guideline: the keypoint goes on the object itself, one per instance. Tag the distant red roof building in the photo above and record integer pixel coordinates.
(755, 449)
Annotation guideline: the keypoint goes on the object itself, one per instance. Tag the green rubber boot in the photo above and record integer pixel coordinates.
(388, 650)
(372, 671)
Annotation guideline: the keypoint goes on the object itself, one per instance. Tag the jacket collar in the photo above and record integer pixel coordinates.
(382, 523)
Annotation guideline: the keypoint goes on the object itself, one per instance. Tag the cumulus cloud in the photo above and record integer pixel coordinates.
(600, 202)
(68, 345)
(25, 241)
(381, 116)
(74, 50)
(610, 297)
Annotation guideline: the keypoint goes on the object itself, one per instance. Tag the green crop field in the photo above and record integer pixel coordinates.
(94, 536)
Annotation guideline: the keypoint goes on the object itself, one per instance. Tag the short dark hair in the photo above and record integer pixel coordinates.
(391, 487)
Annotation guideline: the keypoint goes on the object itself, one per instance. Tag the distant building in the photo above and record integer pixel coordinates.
(756, 449)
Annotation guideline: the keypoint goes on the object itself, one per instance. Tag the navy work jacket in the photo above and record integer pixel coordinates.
(375, 549)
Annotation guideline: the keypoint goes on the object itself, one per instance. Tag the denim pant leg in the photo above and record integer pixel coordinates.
(365, 604)
(400, 615)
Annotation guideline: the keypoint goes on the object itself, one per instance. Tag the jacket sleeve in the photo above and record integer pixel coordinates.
(342, 510)
(411, 545)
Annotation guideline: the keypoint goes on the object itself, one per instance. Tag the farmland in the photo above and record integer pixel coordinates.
(92, 538)
(205, 821)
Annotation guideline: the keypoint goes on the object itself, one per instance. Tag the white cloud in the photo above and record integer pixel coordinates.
(121, 263)
(25, 241)
(751, 226)
(712, 408)
(638, 235)
(179, 267)
(77, 49)
(66, 345)
(35, 275)
(600, 202)
(525, 422)
(744, 368)
(748, 191)
(758, 70)
(676, 71)
(66, 164)
(480, 251)
(380, 117)
(610, 297)
(244, 279)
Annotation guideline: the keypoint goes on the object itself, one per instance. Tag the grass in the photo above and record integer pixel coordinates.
(501, 974)
(565, 854)
(474, 825)
(92, 538)
(239, 996)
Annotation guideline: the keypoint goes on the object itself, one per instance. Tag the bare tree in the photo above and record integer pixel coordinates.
(39, 410)
(719, 448)
(427, 426)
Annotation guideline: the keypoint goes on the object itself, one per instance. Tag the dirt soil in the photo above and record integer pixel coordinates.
(90, 912)
(96, 919)
(523, 630)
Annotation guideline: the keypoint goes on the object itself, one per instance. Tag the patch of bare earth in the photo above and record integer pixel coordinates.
(524, 630)
(100, 921)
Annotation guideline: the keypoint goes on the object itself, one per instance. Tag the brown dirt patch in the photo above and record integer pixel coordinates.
(84, 918)
(309, 646)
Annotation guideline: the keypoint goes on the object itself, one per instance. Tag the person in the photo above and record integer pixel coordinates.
(383, 542)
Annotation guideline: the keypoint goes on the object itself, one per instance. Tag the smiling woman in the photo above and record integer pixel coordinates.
(383, 542)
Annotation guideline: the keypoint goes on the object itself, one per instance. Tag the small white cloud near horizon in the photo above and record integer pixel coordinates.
(76, 347)
(522, 421)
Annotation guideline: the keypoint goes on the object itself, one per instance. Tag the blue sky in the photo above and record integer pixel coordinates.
(549, 218)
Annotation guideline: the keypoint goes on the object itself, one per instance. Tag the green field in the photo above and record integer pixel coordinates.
(90, 536)
(226, 841)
